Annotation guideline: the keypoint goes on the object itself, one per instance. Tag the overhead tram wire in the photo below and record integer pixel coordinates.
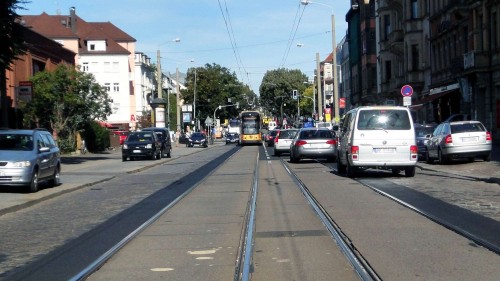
(293, 33)
(231, 36)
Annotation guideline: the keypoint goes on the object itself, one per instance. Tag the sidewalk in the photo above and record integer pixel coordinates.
(83, 170)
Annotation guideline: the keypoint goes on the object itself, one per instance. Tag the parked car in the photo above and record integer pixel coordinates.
(165, 139)
(122, 135)
(232, 138)
(197, 138)
(313, 143)
(142, 144)
(270, 137)
(377, 137)
(459, 139)
(283, 140)
(421, 131)
(29, 157)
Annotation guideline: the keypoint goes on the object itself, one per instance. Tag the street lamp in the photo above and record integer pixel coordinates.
(160, 84)
(334, 58)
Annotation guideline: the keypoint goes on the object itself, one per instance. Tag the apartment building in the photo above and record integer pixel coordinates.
(101, 49)
(447, 50)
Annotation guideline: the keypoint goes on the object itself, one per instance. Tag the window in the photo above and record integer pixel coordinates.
(414, 9)
(387, 26)
(116, 87)
(388, 70)
(116, 66)
(85, 67)
(92, 47)
(494, 31)
(107, 67)
(414, 57)
(107, 87)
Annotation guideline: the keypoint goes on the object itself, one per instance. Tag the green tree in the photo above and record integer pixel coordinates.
(12, 45)
(65, 100)
(216, 85)
(276, 91)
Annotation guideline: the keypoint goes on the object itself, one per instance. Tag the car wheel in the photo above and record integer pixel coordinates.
(395, 172)
(276, 153)
(124, 158)
(33, 186)
(330, 159)
(351, 170)
(410, 172)
(442, 159)
(487, 158)
(428, 158)
(341, 169)
(169, 153)
(293, 159)
(56, 178)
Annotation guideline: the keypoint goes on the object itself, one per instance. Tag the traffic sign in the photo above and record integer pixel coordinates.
(406, 91)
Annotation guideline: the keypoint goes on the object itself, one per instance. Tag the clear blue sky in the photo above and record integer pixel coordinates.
(264, 33)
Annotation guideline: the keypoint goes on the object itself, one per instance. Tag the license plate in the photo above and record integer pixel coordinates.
(470, 139)
(383, 150)
(136, 151)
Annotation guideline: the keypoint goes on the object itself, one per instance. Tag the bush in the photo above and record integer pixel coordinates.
(96, 137)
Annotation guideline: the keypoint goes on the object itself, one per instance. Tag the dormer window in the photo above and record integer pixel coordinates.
(96, 45)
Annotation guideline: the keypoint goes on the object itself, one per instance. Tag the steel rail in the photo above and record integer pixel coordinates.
(94, 266)
(359, 263)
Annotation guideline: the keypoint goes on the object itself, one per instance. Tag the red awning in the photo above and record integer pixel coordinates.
(105, 124)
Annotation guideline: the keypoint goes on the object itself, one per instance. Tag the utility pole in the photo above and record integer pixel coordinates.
(335, 78)
(158, 87)
(178, 90)
(194, 102)
(318, 83)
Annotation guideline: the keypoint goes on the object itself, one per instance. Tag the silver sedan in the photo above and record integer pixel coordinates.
(313, 143)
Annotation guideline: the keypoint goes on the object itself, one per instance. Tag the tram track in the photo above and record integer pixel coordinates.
(359, 263)
(451, 222)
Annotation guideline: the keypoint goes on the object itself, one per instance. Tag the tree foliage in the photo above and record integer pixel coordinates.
(216, 85)
(276, 91)
(65, 100)
(11, 46)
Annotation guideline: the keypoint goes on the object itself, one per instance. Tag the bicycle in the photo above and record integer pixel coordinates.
(83, 147)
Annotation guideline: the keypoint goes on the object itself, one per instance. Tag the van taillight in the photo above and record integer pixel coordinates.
(414, 152)
(354, 152)
(488, 136)
(276, 138)
(448, 139)
(413, 149)
(300, 142)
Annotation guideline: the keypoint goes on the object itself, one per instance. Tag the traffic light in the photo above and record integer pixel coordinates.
(294, 94)
(238, 105)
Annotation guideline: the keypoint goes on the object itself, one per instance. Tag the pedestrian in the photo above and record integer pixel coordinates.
(177, 137)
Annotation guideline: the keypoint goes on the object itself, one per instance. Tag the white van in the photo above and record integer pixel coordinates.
(380, 137)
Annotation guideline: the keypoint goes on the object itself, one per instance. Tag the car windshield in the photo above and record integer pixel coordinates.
(384, 119)
(16, 142)
(140, 137)
(423, 131)
(288, 134)
(316, 134)
(197, 135)
(467, 127)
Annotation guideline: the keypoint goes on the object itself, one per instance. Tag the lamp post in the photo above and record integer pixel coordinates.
(159, 78)
(334, 59)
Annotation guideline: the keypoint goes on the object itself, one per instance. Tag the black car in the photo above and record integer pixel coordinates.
(199, 139)
(144, 144)
(270, 137)
(232, 138)
(164, 136)
(421, 131)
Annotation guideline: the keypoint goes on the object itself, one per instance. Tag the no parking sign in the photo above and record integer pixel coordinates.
(406, 91)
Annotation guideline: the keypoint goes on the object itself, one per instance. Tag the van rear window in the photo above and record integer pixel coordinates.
(384, 119)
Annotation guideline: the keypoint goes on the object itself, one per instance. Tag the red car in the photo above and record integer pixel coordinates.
(123, 135)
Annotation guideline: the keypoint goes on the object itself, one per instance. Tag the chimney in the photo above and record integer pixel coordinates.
(72, 18)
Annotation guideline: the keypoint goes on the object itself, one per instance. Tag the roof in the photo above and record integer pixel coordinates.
(60, 27)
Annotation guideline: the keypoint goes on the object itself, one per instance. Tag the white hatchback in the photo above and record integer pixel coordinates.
(282, 141)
